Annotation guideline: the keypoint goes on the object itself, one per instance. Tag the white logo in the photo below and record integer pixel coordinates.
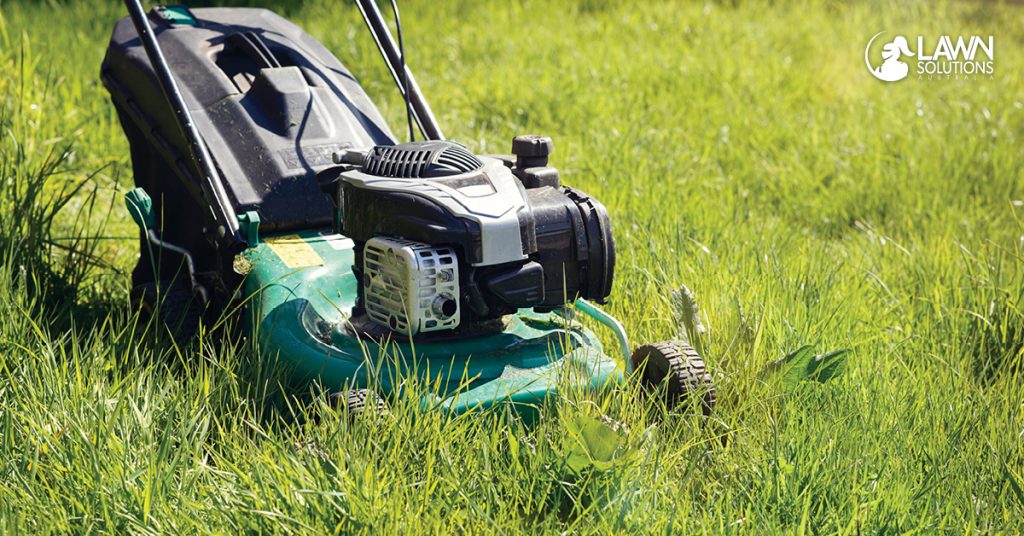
(891, 69)
(969, 59)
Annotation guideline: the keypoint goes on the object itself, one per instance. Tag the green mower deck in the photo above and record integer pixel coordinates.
(302, 290)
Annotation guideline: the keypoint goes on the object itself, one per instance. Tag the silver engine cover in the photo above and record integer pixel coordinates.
(410, 287)
(491, 196)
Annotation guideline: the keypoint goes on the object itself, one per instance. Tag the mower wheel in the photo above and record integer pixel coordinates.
(676, 367)
(174, 306)
(359, 401)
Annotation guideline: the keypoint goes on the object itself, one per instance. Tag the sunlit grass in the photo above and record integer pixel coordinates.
(742, 150)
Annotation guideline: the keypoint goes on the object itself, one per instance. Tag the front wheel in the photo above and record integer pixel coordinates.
(676, 368)
(360, 401)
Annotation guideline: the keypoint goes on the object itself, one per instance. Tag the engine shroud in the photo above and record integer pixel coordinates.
(521, 242)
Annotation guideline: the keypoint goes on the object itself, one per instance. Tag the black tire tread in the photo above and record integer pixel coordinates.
(688, 372)
(359, 401)
(177, 309)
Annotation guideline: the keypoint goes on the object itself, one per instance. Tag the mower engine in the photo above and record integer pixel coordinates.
(445, 238)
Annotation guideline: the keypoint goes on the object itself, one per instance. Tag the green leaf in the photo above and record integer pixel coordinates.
(828, 366)
(794, 365)
(687, 313)
(593, 444)
(513, 445)
(803, 364)
(1012, 479)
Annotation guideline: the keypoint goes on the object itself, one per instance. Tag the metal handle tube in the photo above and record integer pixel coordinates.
(611, 323)
(228, 234)
(389, 50)
(196, 287)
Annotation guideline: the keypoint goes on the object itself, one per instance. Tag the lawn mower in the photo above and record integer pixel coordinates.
(267, 181)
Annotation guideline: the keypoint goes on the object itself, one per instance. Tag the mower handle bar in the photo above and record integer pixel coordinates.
(421, 111)
(227, 234)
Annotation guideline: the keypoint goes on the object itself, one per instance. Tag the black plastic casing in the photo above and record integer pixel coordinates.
(272, 105)
(566, 236)
(574, 244)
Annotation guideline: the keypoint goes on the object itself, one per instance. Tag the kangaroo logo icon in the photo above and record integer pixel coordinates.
(891, 68)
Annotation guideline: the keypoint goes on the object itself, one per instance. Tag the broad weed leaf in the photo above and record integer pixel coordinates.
(687, 313)
(592, 444)
(803, 364)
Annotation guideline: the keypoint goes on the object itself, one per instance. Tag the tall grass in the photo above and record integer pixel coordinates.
(742, 151)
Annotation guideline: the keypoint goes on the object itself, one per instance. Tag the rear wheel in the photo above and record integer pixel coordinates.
(676, 368)
(173, 306)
